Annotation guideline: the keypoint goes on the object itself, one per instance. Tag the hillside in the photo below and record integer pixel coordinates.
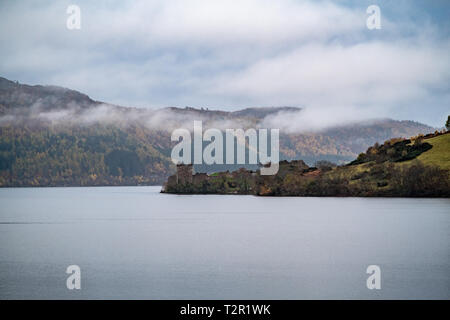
(439, 154)
(90, 156)
(57, 136)
(400, 167)
(19, 98)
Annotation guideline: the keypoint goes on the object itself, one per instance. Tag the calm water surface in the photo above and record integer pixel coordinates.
(134, 243)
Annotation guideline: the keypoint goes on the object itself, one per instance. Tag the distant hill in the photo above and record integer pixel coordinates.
(262, 112)
(56, 136)
(14, 96)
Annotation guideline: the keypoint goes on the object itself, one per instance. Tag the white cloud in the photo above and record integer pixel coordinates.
(317, 54)
(317, 119)
(367, 74)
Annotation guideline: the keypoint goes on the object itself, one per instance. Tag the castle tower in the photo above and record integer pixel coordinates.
(184, 173)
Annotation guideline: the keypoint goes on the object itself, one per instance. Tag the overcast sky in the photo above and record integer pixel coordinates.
(233, 54)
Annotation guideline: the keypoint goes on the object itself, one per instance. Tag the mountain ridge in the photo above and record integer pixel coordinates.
(57, 136)
(69, 95)
(32, 94)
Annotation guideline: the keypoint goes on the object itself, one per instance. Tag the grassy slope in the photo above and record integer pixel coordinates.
(439, 155)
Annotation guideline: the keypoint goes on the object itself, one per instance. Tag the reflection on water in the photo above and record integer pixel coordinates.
(133, 242)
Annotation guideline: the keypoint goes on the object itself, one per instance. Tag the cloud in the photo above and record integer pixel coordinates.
(371, 74)
(224, 54)
(74, 114)
(316, 119)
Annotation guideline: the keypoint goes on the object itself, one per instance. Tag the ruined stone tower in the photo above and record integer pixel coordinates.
(184, 173)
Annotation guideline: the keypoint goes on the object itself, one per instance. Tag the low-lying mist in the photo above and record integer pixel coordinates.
(288, 120)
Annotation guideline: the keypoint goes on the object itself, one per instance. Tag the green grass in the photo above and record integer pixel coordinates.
(439, 155)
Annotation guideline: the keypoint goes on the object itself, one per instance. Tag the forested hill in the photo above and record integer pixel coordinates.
(53, 136)
(15, 97)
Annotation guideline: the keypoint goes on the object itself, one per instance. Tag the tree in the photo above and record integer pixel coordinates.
(447, 124)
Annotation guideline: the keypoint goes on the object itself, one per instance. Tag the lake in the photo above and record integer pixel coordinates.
(135, 243)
